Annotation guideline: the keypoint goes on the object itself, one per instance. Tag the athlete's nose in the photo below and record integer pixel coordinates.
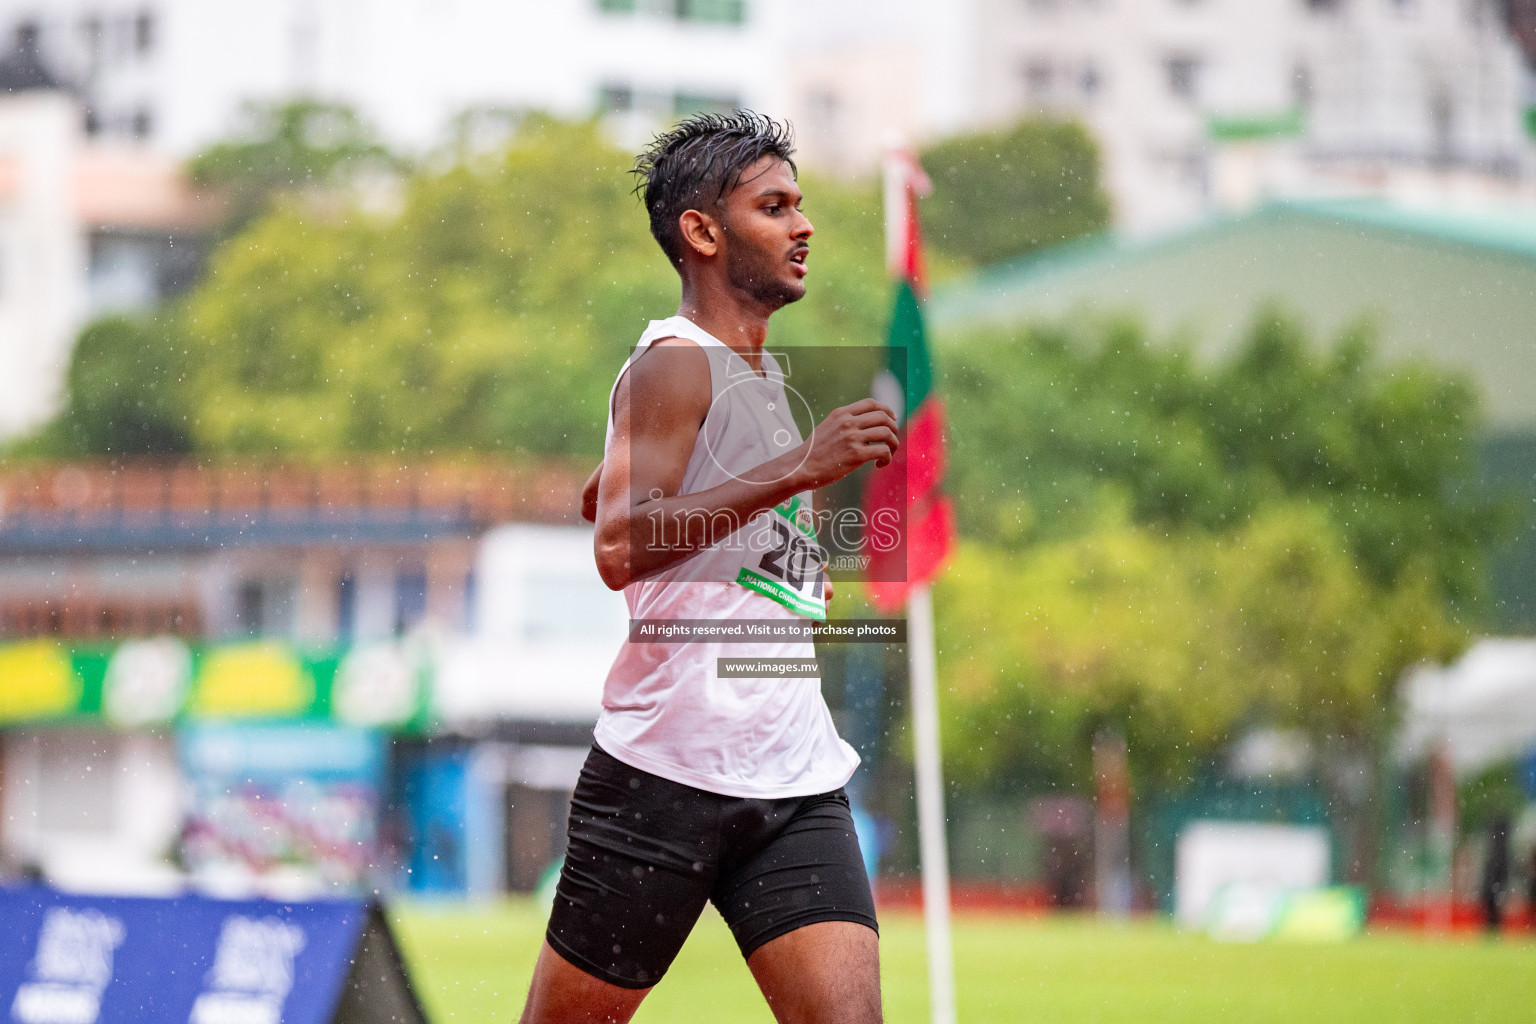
(803, 227)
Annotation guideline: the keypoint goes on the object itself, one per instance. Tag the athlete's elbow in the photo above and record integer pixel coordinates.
(614, 578)
(613, 566)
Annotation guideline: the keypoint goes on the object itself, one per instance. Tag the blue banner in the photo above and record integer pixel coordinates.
(69, 959)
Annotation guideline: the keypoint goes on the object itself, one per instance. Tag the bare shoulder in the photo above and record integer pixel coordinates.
(673, 341)
(670, 380)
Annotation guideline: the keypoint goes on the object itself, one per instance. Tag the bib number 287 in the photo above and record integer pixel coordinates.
(790, 570)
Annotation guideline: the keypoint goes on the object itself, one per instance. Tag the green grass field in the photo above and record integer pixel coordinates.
(472, 967)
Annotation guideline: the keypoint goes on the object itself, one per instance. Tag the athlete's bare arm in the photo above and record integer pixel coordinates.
(589, 511)
(659, 406)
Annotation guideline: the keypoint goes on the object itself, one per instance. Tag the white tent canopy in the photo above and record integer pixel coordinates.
(1483, 707)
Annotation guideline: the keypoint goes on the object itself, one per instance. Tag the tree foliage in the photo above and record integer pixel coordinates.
(472, 319)
(1179, 639)
(1183, 549)
(122, 394)
(492, 312)
(1004, 193)
(1085, 414)
(489, 312)
(295, 146)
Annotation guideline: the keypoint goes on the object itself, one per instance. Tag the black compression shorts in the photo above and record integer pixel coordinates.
(645, 854)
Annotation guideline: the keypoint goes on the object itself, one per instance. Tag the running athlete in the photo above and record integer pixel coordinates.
(702, 786)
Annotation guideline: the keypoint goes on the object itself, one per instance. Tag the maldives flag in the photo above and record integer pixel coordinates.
(908, 490)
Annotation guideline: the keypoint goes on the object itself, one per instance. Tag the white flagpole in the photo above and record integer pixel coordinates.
(930, 804)
(903, 178)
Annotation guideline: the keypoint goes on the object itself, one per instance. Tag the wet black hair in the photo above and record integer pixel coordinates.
(699, 162)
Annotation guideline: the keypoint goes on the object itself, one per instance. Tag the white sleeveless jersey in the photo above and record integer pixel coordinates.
(666, 710)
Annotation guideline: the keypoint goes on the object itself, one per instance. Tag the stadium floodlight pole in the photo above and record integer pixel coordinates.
(930, 804)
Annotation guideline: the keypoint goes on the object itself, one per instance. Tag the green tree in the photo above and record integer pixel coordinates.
(122, 395)
(1004, 193)
(472, 319)
(1086, 414)
(1179, 639)
(301, 145)
(491, 312)
(1182, 549)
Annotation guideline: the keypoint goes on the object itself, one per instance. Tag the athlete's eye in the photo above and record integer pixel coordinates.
(771, 209)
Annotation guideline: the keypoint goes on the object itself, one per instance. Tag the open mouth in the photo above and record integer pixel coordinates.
(798, 259)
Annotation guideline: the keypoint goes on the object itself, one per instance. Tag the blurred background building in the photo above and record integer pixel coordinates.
(1205, 103)
(365, 675)
(172, 75)
(89, 224)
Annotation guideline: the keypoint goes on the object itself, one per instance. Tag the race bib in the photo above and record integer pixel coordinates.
(792, 567)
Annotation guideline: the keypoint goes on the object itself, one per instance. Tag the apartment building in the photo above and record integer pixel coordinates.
(174, 74)
(1210, 103)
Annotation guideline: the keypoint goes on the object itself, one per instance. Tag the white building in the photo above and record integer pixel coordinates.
(42, 254)
(86, 228)
(1377, 83)
(1202, 103)
(174, 73)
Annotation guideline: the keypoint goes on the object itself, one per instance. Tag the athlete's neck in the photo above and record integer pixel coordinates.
(738, 321)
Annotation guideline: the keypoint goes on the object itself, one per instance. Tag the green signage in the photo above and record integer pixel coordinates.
(1264, 126)
(162, 680)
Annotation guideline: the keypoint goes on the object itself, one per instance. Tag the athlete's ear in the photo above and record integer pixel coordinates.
(700, 232)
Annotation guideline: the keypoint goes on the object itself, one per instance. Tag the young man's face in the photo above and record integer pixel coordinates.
(766, 234)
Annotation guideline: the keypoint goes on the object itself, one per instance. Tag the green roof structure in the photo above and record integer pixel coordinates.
(1453, 286)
